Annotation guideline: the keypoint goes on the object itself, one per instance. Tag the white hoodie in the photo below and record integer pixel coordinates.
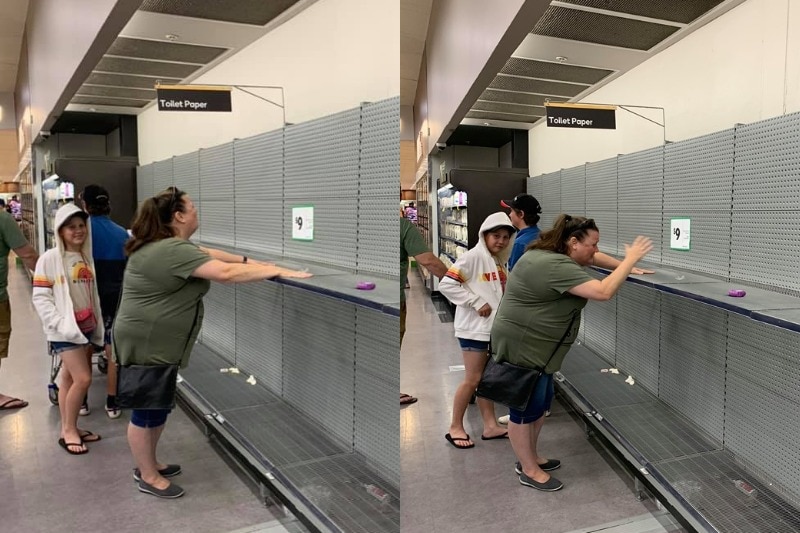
(475, 280)
(51, 289)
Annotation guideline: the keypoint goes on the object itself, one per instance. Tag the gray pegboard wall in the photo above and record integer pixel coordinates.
(258, 192)
(219, 323)
(378, 180)
(765, 229)
(322, 160)
(186, 169)
(601, 202)
(377, 373)
(573, 191)
(638, 328)
(318, 375)
(551, 199)
(762, 416)
(534, 187)
(698, 184)
(600, 326)
(163, 175)
(693, 351)
(259, 332)
(380, 149)
(144, 182)
(216, 194)
(640, 184)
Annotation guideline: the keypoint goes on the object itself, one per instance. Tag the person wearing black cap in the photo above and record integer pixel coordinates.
(108, 243)
(524, 215)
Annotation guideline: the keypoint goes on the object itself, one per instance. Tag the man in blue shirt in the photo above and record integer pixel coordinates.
(108, 242)
(524, 215)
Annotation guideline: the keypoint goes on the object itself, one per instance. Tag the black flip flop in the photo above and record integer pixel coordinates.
(503, 436)
(6, 405)
(452, 440)
(88, 436)
(64, 444)
(407, 399)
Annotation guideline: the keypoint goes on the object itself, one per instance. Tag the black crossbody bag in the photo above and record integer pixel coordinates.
(512, 385)
(148, 386)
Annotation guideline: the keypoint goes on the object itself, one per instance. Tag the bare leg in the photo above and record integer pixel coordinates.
(521, 436)
(474, 363)
(111, 386)
(537, 428)
(142, 442)
(156, 436)
(75, 382)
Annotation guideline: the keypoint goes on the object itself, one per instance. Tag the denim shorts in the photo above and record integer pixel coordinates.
(149, 418)
(541, 398)
(469, 345)
(58, 347)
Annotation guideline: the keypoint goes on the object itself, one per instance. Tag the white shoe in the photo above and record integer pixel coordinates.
(113, 412)
(547, 413)
(84, 410)
(503, 420)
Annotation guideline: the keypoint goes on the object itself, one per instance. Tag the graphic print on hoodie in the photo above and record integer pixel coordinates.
(478, 278)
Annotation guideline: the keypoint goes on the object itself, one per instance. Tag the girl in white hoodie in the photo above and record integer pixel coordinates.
(475, 284)
(65, 296)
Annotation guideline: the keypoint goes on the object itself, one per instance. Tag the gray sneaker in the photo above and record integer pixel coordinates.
(169, 471)
(551, 485)
(172, 491)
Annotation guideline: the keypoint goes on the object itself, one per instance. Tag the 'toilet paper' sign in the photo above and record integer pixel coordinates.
(193, 98)
(581, 116)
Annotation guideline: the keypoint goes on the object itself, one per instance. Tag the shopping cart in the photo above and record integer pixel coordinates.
(98, 358)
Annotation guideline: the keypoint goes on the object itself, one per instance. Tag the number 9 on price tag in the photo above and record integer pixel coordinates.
(680, 234)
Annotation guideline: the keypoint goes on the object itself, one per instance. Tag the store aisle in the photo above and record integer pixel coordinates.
(448, 490)
(43, 489)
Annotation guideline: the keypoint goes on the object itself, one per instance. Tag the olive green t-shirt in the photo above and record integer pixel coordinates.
(162, 304)
(411, 244)
(10, 237)
(536, 310)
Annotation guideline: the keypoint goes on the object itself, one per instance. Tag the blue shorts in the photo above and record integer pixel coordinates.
(541, 398)
(58, 347)
(149, 418)
(469, 345)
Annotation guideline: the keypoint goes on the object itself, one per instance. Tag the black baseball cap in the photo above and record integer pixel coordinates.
(95, 194)
(523, 202)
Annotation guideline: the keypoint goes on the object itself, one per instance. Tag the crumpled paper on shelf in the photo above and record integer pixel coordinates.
(251, 380)
(630, 380)
(231, 370)
(610, 370)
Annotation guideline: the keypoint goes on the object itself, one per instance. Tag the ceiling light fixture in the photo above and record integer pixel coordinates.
(172, 37)
(92, 109)
(561, 59)
(487, 123)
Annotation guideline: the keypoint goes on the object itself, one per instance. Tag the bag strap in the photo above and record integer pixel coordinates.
(563, 338)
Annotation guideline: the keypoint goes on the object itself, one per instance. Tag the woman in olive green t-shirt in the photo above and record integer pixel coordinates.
(544, 296)
(161, 311)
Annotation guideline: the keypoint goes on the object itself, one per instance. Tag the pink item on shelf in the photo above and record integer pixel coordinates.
(736, 293)
(365, 285)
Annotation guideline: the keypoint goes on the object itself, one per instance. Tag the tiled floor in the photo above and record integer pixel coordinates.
(42, 489)
(447, 490)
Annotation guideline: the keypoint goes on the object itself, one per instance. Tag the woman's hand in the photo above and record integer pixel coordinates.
(485, 311)
(641, 247)
(638, 271)
(286, 273)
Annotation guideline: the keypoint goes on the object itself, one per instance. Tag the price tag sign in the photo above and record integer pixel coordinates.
(680, 234)
(303, 223)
